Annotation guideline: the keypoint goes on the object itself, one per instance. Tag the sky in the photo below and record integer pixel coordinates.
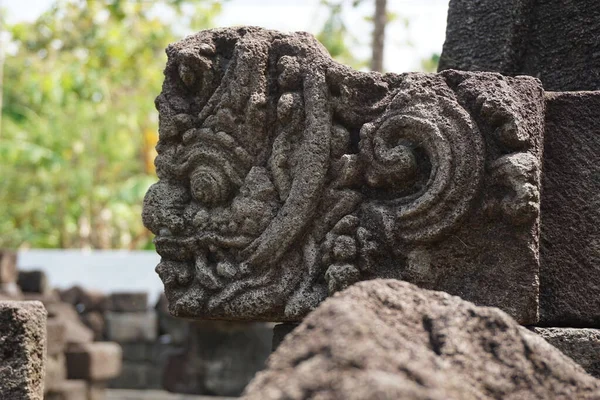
(405, 46)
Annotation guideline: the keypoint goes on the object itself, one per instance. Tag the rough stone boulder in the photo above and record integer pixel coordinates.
(387, 339)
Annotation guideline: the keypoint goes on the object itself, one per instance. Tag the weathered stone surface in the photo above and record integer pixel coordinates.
(220, 359)
(125, 327)
(56, 372)
(570, 208)
(115, 394)
(22, 350)
(97, 361)
(387, 339)
(56, 336)
(8, 266)
(34, 281)
(580, 344)
(285, 176)
(517, 37)
(69, 390)
(75, 330)
(128, 302)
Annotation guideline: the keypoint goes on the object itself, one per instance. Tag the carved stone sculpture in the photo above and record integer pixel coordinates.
(285, 177)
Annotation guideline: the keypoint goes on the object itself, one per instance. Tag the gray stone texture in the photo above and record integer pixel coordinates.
(75, 330)
(220, 358)
(553, 40)
(124, 327)
(580, 344)
(570, 210)
(387, 339)
(56, 372)
(285, 177)
(88, 300)
(97, 361)
(22, 350)
(127, 302)
(56, 336)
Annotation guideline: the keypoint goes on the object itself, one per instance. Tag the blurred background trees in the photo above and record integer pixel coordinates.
(78, 124)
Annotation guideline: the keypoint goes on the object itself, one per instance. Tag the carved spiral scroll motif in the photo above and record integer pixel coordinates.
(441, 158)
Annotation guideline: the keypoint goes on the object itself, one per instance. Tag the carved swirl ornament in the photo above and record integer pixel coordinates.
(280, 182)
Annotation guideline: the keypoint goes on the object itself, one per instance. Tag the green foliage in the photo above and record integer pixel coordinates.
(335, 35)
(78, 121)
(430, 64)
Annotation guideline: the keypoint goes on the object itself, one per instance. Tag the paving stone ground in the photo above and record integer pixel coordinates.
(122, 394)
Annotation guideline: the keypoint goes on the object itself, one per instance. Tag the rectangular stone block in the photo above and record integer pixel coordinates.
(128, 302)
(22, 350)
(271, 200)
(523, 37)
(8, 266)
(570, 231)
(96, 391)
(89, 300)
(75, 330)
(124, 327)
(69, 390)
(581, 344)
(56, 336)
(97, 361)
(56, 372)
(34, 281)
(134, 375)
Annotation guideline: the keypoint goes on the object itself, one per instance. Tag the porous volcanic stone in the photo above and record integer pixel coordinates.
(387, 339)
(285, 177)
(22, 350)
(75, 330)
(580, 344)
(570, 208)
(97, 361)
(553, 40)
(56, 372)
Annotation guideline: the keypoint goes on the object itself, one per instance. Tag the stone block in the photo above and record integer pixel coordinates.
(570, 230)
(387, 339)
(172, 330)
(285, 177)
(34, 281)
(56, 372)
(220, 359)
(126, 327)
(8, 266)
(521, 37)
(582, 345)
(94, 320)
(75, 330)
(56, 336)
(69, 390)
(97, 361)
(128, 302)
(137, 351)
(134, 375)
(96, 391)
(89, 300)
(22, 350)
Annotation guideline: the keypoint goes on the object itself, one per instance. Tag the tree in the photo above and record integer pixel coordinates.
(379, 23)
(79, 125)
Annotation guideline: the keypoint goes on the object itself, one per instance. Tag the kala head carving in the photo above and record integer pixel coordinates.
(285, 177)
